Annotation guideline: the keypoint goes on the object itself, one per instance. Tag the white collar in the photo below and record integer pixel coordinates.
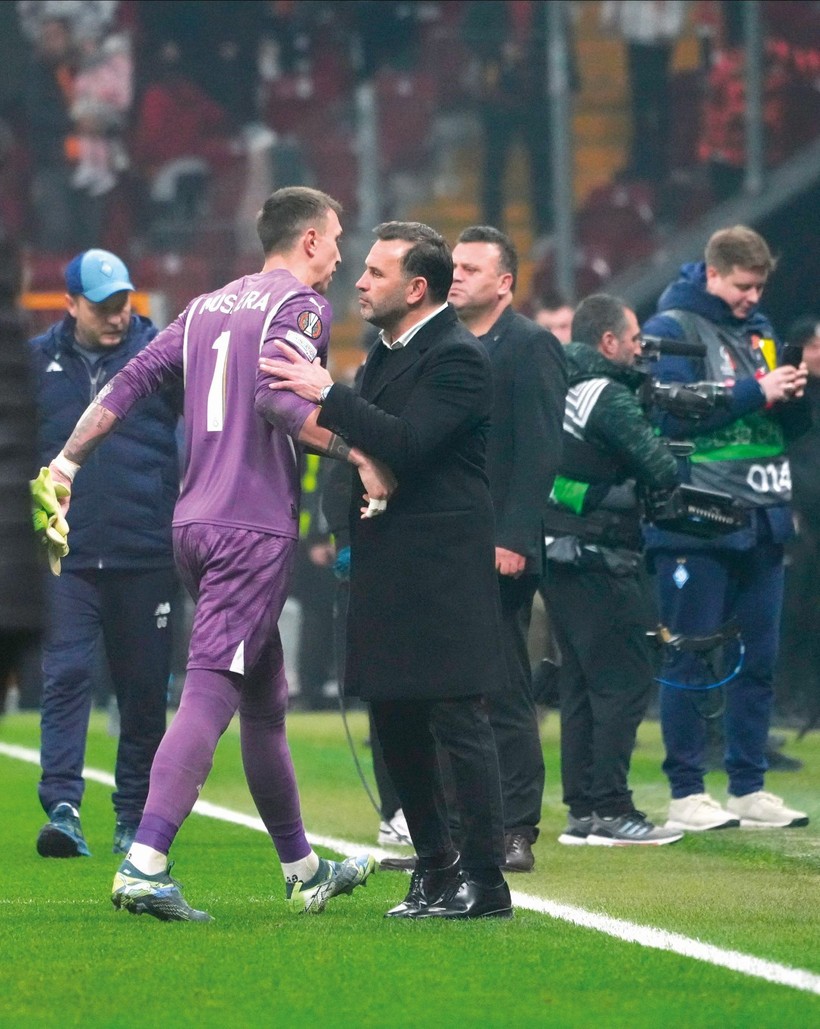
(404, 339)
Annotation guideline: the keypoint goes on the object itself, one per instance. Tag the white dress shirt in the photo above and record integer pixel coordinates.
(404, 339)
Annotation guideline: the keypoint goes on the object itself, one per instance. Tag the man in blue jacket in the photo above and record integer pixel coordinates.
(740, 450)
(118, 580)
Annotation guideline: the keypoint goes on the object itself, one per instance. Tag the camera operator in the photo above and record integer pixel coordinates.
(598, 597)
(702, 583)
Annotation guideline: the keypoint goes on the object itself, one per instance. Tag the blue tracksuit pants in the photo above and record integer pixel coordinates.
(698, 592)
(132, 610)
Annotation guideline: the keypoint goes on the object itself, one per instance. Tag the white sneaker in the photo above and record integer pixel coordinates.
(699, 812)
(761, 810)
(395, 832)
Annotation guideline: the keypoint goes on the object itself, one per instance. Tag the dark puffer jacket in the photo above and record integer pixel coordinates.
(124, 496)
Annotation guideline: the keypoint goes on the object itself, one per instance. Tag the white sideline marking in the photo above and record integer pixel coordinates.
(646, 936)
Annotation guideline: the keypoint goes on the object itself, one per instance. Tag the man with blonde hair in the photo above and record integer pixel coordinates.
(739, 448)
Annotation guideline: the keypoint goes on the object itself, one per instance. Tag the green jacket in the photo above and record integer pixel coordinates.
(610, 451)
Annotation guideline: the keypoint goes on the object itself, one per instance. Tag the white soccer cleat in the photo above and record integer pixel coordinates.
(331, 879)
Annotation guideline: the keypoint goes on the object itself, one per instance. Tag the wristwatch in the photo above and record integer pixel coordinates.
(324, 393)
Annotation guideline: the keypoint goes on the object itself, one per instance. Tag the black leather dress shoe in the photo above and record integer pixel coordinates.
(519, 853)
(426, 888)
(471, 900)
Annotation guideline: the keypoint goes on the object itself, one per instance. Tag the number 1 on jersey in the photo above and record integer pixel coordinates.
(215, 414)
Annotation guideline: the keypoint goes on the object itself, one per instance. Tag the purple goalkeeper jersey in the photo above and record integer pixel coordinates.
(242, 466)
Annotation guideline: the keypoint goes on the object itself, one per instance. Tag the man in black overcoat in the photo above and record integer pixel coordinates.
(523, 453)
(424, 635)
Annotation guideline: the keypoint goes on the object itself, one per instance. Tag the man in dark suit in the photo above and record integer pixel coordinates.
(523, 451)
(424, 635)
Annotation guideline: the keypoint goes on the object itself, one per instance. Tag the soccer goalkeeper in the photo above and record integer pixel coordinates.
(235, 534)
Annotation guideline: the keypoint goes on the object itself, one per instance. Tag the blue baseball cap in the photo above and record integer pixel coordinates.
(96, 274)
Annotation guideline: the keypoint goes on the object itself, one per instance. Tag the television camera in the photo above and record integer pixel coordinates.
(687, 509)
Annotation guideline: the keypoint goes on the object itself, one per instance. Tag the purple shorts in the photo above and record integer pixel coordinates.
(239, 580)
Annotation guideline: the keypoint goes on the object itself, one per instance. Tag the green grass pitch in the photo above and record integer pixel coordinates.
(68, 958)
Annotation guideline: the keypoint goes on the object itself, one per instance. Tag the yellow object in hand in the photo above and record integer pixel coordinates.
(49, 523)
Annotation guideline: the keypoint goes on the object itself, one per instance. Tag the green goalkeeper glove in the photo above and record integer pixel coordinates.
(49, 523)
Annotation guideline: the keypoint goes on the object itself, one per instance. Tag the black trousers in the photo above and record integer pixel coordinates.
(513, 715)
(410, 732)
(314, 587)
(601, 621)
(389, 802)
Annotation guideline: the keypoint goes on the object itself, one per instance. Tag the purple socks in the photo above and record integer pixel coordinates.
(185, 756)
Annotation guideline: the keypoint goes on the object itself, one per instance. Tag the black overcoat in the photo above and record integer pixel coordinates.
(424, 616)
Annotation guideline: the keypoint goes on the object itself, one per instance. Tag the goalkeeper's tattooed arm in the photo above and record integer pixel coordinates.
(378, 481)
(94, 425)
(307, 379)
(338, 448)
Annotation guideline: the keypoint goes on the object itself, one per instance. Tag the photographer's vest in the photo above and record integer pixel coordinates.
(747, 458)
(578, 502)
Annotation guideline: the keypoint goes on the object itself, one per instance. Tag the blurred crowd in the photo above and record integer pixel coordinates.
(142, 126)
(117, 117)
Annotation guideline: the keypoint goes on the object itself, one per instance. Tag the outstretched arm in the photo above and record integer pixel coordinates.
(95, 423)
(158, 363)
